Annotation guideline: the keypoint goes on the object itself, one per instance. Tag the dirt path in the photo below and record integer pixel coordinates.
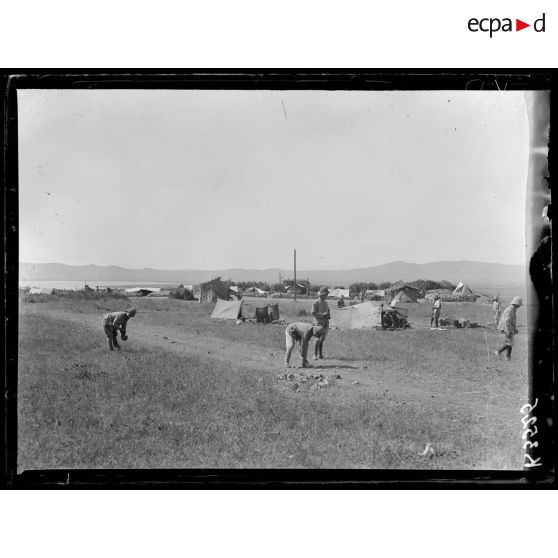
(354, 374)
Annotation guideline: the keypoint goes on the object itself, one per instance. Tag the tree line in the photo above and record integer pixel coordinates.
(421, 284)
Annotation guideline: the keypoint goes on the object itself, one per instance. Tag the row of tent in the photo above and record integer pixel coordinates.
(359, 316)
(461, 293)
(236, 309)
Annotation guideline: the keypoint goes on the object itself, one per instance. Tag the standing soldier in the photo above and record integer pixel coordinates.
(436, 311)
(114, 322)
(508, 327)
(301, 332)
(321, 315)
(496, 311)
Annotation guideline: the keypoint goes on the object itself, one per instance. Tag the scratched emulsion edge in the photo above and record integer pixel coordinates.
(10, 292)
(538, 415)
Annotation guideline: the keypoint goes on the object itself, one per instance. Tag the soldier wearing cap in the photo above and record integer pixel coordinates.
(300, 332)
(321, 315)
(496, 311)
(508, 327)
(436, 311)
(114, 322)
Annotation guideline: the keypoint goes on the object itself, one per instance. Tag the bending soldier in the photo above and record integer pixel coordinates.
(114, 322)
(300, 332)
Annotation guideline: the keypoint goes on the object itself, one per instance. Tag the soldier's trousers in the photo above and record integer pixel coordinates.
(290, 342)
(111, 332)
(319, 344)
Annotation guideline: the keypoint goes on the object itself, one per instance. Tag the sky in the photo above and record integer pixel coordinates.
(238, 179)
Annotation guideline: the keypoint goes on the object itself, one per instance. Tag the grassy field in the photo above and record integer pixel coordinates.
(187, 391)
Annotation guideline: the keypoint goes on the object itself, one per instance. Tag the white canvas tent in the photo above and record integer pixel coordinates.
(41, 290)
(358, 316)
(462, 290)
(338, 293)
(401, 296)
(228, 309)
(376, 293)
(254, 291)
(143, 289)
(300, 289)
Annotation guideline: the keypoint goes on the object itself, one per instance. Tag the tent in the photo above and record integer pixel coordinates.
(358, 316)
(41, 290)
(401, 296)
(463, 293)
(212, 291)
(338, 293)
(142, 291)
(410, 293)
(228, 309)
(375, 294)
(254, 291)
(462, 290)
(450, 296)
(300, 289)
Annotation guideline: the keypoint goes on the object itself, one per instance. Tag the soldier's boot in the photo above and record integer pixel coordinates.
(110, 344)
(316, 349)
(115, 341)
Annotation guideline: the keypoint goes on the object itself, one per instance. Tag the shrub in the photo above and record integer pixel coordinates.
(59, 294)
(181, 293)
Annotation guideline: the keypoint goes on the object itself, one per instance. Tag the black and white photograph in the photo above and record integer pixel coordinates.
(317, 277)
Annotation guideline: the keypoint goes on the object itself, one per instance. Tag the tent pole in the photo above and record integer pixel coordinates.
(295, 275)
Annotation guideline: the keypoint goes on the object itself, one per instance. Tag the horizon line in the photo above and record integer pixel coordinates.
(329, 268)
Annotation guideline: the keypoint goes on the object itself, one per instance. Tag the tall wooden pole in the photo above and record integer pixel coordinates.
(295, 275)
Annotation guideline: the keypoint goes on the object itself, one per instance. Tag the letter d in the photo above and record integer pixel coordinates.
(535, 25)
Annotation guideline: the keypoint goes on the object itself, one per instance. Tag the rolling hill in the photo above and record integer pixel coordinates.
(476, 273)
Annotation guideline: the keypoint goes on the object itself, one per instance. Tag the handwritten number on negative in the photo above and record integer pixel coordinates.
(531, 407)
(528, 432)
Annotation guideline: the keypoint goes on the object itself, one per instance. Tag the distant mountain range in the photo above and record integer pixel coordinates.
(475, 273)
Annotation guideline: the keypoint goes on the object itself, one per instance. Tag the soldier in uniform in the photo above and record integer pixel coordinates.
(508, 327)
(114, 322)
(496, 310)
(436, 311)
(321, 315)
(300, 332)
